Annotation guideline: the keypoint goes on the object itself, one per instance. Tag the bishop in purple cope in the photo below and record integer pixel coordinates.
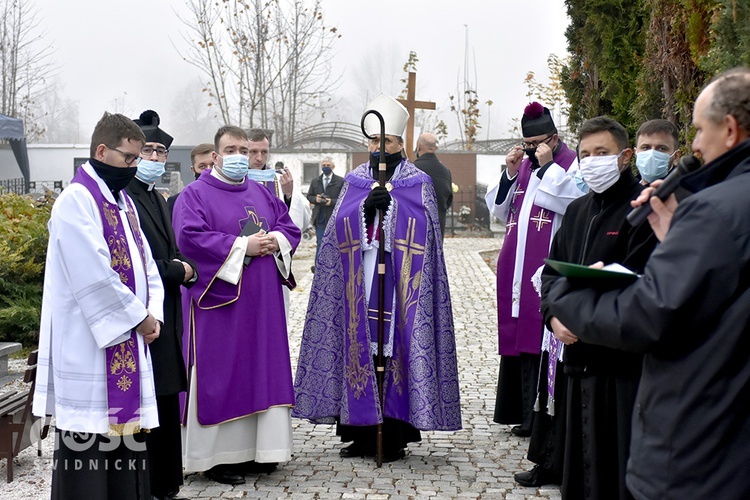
(335, 379)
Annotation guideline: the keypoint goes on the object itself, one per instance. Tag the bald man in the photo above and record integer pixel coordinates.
(441, 176)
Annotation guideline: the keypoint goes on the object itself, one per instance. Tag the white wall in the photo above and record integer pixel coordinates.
(489, 168)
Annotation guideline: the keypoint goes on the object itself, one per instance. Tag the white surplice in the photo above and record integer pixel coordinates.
(85, 308)
(553, 192)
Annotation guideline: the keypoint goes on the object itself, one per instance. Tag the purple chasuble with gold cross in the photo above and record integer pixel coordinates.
(518, 314)
(236, 334)
(336, 373)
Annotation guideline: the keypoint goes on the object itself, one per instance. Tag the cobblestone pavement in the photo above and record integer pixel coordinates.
(476, 462)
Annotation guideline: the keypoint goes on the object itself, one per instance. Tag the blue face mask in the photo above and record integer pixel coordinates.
(327, 170)
(265, 175)
(235, 166)
(652, 164)
(149, 171)
(580, 182)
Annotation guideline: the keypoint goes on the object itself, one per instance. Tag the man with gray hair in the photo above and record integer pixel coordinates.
(441, 177)
(688, 314)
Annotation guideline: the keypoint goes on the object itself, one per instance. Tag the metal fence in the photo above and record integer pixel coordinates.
(36, 188)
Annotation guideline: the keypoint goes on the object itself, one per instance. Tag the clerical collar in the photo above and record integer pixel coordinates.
(218, 174)
(146, 185)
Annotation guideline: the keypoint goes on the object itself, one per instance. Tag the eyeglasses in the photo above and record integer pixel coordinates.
(129, 158)
(536, 144)
(148, 151)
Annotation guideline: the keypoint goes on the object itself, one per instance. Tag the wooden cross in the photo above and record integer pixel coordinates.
(411, 105)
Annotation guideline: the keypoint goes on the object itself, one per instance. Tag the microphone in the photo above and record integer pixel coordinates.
(686, 165)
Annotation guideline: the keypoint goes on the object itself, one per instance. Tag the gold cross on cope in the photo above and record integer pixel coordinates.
(518, 192)
(541, 219)
(409, 248)
(350, 245)
(411, 105)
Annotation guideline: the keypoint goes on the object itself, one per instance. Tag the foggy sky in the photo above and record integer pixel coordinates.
(123, 56)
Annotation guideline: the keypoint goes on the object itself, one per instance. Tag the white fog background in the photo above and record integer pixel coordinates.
(124, 56)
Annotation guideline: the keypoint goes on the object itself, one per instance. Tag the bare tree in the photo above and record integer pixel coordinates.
(59, 117)
(24, 64)
(266, 62)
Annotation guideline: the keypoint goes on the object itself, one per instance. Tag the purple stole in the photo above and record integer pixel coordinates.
(123, 372)
(555, 346)
(524, 333)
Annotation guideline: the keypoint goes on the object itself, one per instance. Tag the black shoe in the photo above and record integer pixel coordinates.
(312, 269)
(393, 455)
(224, 475)
(356, 450)
(534, 478)
(519, 431)
(253, 467)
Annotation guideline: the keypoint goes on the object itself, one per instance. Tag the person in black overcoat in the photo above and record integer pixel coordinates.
(441, 176)
(164, 443)
(323, 193)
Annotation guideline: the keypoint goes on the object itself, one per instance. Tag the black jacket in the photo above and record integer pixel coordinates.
(169, 367)
(441, 179)
(690, 315)
(332, 191)
(594, 229)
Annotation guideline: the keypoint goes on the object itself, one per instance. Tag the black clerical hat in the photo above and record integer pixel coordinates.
(537, 120)
(149, 123)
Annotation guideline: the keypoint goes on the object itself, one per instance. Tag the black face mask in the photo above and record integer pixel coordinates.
(114, 177)
(531, 153)
(197, 174)
(392, 160)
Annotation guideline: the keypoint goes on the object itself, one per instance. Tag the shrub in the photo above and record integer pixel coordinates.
(23, 248)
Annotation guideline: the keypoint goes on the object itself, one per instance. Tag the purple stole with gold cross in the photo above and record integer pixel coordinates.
(123, 372)
(523, 332)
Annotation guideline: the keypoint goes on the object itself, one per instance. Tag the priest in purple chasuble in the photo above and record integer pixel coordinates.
(335, 380)
(102, 304)
(531, 197)
(237, 410)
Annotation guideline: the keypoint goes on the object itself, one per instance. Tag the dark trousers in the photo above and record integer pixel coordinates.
(99, 467)
(397, 434)
(516, 390)
(165, 448)
(319, 230)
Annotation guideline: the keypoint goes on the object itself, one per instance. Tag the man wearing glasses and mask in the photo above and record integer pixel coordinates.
(531, 199)
(102, 304)
(165, 442)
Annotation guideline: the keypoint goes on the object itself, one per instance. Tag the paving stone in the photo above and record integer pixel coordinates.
(476, 462)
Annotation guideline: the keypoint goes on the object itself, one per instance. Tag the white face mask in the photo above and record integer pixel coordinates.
(600, 172)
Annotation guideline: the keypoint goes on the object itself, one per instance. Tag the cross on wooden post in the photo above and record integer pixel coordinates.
(411, 105)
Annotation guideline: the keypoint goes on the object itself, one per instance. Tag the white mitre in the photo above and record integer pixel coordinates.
(394, 115)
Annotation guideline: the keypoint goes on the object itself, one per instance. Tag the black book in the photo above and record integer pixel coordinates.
(249, 229)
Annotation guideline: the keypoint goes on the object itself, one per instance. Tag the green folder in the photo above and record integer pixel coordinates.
(587, 276)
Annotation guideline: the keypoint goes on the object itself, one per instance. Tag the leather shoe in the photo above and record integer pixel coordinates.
(356, 450)
(519, 431)
(534, 477)
(224, 475)
(253, 467)
(393, 455)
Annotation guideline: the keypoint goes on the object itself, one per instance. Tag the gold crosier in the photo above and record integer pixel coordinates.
(356, 374)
